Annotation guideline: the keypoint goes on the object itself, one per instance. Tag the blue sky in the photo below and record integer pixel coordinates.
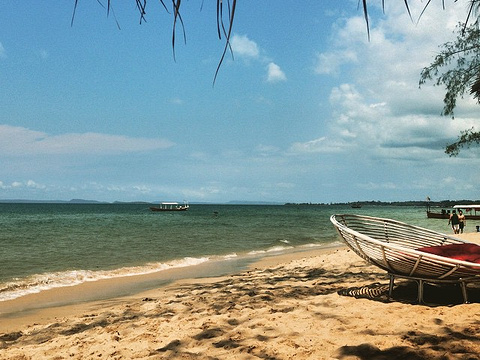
(307, 111)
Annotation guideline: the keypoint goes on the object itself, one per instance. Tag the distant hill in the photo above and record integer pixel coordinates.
(133, 202)
(82, 201)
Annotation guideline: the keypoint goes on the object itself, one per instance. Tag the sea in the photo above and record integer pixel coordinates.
(51, 245)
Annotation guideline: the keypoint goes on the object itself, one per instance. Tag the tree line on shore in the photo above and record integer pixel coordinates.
(442, 203)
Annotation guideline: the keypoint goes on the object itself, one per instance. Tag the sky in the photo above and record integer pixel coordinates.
(308, 109)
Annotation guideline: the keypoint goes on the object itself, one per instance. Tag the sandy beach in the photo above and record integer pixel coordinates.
(326, 304)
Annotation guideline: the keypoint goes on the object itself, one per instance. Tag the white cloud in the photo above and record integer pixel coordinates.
(274, 73)
(321, 145)
(3, 53)
(242, 46)
(379, 109)
(248, 50)
(381, 131)
(142, 189)
(22, 184)
(377, 186)
(32, 184)
(330, 63)
(22, 141)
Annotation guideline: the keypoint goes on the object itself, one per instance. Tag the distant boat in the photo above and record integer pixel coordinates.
(356, 206)
(170, 206)
(470, 212)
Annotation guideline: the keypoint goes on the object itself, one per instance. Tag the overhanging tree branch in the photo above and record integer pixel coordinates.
(456, 67)
(465, 139)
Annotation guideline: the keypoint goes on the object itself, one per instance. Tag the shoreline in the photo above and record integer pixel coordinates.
(208, 265)
(320, 304)
(112, 290)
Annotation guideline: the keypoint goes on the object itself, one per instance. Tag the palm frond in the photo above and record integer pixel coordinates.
(74, 11)
(231, 16)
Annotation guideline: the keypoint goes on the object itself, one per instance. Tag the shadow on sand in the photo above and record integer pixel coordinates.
(450, 344)
(255, 289)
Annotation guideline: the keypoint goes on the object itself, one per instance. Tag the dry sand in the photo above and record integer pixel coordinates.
(312, 305)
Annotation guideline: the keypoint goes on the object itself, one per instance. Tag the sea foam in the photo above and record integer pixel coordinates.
(41, 282)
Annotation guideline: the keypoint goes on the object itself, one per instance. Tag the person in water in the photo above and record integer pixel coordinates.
(455, 222)
(462, 221)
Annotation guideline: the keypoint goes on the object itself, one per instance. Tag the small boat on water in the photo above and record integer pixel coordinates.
(470, 212)
(170, 206)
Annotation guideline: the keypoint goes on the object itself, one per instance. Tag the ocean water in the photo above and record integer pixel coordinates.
(52, 245)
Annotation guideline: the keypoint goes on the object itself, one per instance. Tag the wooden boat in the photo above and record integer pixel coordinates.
(470, 212)
(170, 206)
(443, 214)
(411, 252)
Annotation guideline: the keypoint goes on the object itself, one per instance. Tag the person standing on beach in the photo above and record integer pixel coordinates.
(462, 221)
(455, 222)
